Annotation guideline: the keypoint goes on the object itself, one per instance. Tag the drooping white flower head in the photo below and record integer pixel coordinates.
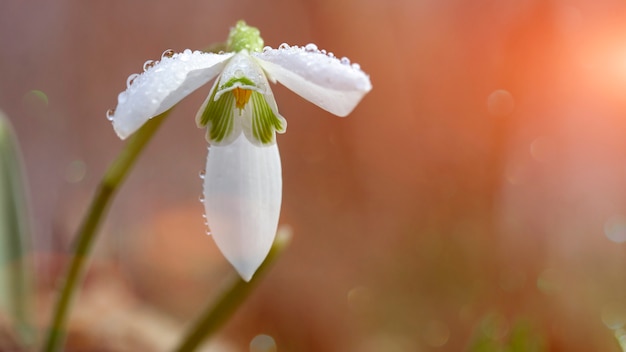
(243, 181)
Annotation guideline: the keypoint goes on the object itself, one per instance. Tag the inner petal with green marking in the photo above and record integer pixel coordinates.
(264, 121)
(218, 117)
(241, 99)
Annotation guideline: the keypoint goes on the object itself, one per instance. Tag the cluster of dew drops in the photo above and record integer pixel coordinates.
(312, 48)
(202, 174)
(146, 66)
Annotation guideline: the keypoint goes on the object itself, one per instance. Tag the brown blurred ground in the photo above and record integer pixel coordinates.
(474, 186)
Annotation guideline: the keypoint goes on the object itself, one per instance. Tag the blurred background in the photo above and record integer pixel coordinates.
(474, 201)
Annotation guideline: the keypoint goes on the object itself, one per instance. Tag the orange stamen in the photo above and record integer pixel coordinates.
(241, 97)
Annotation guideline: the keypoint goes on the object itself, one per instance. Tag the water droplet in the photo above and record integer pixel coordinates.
(283, 46)
(110, 114)
(201, 198)
(202, 174)
(221, 52)
(267, 48)
(323, 51)
(149, 64)
(131, 79)
(167, 53)
(356, 66)
(122, 97)
(345, 61)
(208, 232)
(204, 216)
(330, 54)
(310, 47)
(187, 52)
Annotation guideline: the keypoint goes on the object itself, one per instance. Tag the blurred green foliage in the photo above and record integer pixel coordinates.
(494, 335)
(15, 280)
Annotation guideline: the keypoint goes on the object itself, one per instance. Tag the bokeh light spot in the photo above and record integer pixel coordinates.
(547, 281)
(263, 343)
(359, 298)
(495, 326)
(36, 97)
(615, 229)
(512, 280)
(614, 315)
(542, 149)
(515, 173)
(75, 171)
(500, 103)
(35, 102)
(387, 342)
(436, 333)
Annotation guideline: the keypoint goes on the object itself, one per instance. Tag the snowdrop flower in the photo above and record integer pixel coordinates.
(243, 181)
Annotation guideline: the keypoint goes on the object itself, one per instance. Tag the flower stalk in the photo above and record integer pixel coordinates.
(217, 313)
(87, 232)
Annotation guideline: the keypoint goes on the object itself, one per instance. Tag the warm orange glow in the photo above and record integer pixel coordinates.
(241, 97)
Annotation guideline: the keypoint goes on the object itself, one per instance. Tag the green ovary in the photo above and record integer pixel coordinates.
(243, 37)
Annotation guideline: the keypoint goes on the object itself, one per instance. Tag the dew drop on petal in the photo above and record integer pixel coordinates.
(187, 52)
(149, 64)
(323, 51)
(310, 47)
(283, 46)
(221, 52)
(131, 79)
(267, 48)
(167, 53)
(356, 66)
(345, 61)
(331, 54)
(122, 97)
(201, 198)
(202, 174)
(110, 114)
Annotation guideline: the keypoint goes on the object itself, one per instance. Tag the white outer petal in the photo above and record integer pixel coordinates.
(164, 85)
(323, 80)
(242, 198)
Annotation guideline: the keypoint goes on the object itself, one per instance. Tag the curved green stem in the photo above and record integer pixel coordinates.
(112, 180)
(236, 292)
